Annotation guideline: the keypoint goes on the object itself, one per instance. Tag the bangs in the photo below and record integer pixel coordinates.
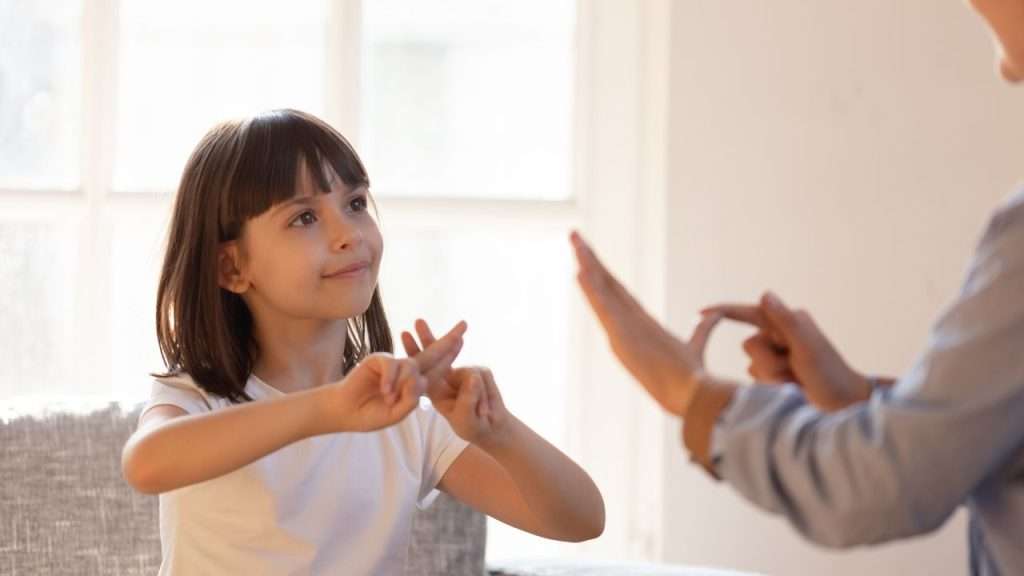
(272, 149)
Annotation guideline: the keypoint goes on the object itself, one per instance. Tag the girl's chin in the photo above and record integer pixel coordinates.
(1008, 71)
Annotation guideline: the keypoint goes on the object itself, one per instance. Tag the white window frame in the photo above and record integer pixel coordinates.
(618, 179)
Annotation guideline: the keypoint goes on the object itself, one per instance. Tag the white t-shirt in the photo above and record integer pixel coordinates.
(331, 504)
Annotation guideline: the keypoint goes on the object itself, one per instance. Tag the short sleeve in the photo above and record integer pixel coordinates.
(441, 446)
(178, 391)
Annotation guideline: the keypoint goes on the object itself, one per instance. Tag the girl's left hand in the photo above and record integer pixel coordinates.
(467, 397)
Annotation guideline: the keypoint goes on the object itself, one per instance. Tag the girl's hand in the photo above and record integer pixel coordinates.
(467, 397)
(666, 366)
(789, 347)
(382, 390)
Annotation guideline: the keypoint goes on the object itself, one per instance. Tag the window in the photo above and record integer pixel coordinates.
(480, 121)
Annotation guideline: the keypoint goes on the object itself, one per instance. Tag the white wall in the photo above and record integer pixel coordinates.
(845, 154)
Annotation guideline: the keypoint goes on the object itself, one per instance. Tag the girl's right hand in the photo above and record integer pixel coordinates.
(381, 390)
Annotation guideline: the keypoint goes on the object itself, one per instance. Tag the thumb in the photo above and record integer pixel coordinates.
(702, 332)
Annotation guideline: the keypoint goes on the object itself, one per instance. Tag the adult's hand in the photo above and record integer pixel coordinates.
(668, 368)
(789, 347)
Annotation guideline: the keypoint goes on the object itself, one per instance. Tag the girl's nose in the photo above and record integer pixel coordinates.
(346, 235)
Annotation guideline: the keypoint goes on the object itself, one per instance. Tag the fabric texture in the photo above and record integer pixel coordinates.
(65, 509)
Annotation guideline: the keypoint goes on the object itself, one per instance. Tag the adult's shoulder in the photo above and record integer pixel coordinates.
(1007, 220)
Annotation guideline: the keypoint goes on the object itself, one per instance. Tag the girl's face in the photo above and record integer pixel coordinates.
(1006, 20)
(315, 256)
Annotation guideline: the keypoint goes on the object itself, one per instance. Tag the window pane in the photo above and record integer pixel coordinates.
(468, 98)
(39, 94)
(37, 294)
(184, 66)
(517, 307)
(136, 256)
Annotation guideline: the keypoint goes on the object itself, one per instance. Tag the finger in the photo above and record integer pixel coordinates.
(407, 375)
(763, 376)
(494, 403)
(585, 256)
(702, 333)
(781, 317)
(483, 407)
(409, 397)
(412, 383)
(440, 369)
(435, 352)
(768, 374)
(409, 342)
(446, 387)
(768, 364)
(469, 395)
(388, 375)
(423, 330)
(745, 313)
(595, 279)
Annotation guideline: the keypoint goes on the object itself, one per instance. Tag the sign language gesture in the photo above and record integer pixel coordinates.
(382, 390)
(467, 397)
(667, 367)
(789, 347)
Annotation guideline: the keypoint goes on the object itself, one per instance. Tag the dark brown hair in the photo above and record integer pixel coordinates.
(239, 170)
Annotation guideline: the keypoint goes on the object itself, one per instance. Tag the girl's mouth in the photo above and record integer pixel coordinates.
(351, 271)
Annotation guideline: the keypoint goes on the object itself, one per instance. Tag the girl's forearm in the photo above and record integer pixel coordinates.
(194, 448)
(559, 493)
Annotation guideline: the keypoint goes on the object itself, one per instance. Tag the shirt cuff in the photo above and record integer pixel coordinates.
(709, 402)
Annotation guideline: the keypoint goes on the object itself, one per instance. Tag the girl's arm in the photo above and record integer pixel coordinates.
(508, 471)
(524, 481)
(171, 449)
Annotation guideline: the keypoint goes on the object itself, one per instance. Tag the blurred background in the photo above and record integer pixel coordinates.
(843, 154)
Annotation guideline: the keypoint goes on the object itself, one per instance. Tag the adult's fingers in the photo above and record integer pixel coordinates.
(702, 333)
(602, 290)
(752, 314)
(782, 318)
(766, 364)
(746, 313)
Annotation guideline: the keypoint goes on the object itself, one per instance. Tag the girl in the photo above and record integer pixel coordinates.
(284, 438)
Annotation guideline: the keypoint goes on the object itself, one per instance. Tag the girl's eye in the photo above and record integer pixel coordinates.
(303, 220)
(358, 204)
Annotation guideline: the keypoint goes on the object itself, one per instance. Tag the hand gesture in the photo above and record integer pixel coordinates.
(666, 366)
(789, 347)
(382, 390)
(467, 397)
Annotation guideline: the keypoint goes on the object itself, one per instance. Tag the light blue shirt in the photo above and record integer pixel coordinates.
(950, 433)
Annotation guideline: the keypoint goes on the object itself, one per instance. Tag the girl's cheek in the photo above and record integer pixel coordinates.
(376, 240)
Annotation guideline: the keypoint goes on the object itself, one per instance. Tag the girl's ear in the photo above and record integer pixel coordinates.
(229, 274)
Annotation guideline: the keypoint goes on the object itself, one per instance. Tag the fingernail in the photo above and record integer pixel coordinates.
(772, 300)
